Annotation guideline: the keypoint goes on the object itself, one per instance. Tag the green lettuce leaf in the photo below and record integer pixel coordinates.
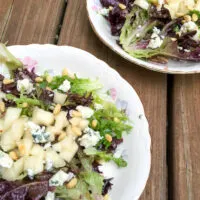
(82, 86)
(9, 59)
(79, 192)
(78, 85)
(94, 180)
(107, 123)
(137, 17)
(105, 156)
(21, 100)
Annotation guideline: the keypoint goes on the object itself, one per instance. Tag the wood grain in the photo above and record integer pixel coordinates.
(30, 21)
(151, 87)
(185, 138)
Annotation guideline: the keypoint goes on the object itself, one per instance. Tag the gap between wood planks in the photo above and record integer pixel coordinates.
(61, 22)
(170, 155)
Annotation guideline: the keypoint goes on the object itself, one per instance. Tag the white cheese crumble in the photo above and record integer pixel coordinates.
(137, 35)
(65, 86)
(49, 165)
(47, 145)
(90, 139)
(30, 173)
(5, 160)
(60, 178)
(188, 27)
(160, 4)
(98, 106)
(25, 85)
(38, 133)
(104, 11)
(108, 169)
(85, 111)
(156, 41)
(142, 4)
(50, 196)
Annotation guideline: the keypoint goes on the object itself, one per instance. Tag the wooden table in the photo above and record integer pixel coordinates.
(171, 103)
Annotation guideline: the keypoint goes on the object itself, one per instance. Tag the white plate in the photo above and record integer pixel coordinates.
(129, 182)
(102, 28)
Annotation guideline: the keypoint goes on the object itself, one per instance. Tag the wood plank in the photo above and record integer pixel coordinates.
(5, 10)
(30, 21)
(151, 87)
(185, 138)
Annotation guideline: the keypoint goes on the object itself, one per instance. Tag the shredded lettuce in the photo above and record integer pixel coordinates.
(107, 124)
(82, 86)
(79, 86)
(105, 156)
(21, 100)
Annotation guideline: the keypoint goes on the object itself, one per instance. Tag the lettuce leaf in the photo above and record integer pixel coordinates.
(78, 85)
(136, 33)
(82, 86)
(21, 100)
(107, 124)
(9, 59)
(105, 156)
(23, 190)
(79, 192)
(94, 180)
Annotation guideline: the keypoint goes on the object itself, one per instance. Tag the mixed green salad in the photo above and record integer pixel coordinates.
(156, 29)
(55, 133)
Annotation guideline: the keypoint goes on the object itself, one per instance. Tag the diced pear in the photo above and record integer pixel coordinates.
(57, 147)
(14, 172)
(7, 142)
(67, 148)
(11, 115)
(83, 124)
(70, 133)
(34, 163)
(68, 153)
(17, 129)
(25, 146)
(42, 117)
(59, 98)
(52, 131)
(61, 121)
(55, 158)
(14, 134)
(1, 125)
(37, 150)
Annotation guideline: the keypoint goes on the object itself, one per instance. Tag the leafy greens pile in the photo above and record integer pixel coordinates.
(91, 183)
(135, 27)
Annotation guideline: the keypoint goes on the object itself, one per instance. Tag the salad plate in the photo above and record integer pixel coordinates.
(69, 73)
(177, 55)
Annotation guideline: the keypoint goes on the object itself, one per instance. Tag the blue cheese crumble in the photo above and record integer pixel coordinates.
(49, 165)
(38, 133)
(90, 139)
(156, 40)
(85, 111)
(24, 86)
(65, 86)
(60, 178)
(30, 174)
(50, 196)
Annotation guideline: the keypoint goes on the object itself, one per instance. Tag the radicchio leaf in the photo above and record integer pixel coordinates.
(21, 74)
(107, 186)
(23, 190)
